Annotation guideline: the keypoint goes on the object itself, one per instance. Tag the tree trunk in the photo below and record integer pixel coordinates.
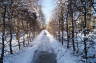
(67, 34)
(85, 45)
(10, 44)
(10, 29)
(73, 33)
(3, 35)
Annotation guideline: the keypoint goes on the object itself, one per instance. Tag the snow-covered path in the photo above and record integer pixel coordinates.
(44, 42)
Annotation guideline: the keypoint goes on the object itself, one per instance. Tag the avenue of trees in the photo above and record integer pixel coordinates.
(19, 24)
(73, 24)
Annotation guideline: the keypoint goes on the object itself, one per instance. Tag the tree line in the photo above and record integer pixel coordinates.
(72, 17)
(19, 21)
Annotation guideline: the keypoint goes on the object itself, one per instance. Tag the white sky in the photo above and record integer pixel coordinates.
(47, 7)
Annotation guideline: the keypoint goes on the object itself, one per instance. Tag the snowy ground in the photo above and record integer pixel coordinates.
(44, 42)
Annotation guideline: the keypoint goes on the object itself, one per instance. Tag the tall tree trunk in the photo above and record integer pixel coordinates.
(85, 23)
(62, 35)
(24, 34)
(71, 8)
(67, 29)
(62, 25)
(59, 30)
(73, 33)
(10, 44)
(10, 28)
(3, 35)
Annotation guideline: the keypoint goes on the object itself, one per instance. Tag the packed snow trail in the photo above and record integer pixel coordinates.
(44, 42)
